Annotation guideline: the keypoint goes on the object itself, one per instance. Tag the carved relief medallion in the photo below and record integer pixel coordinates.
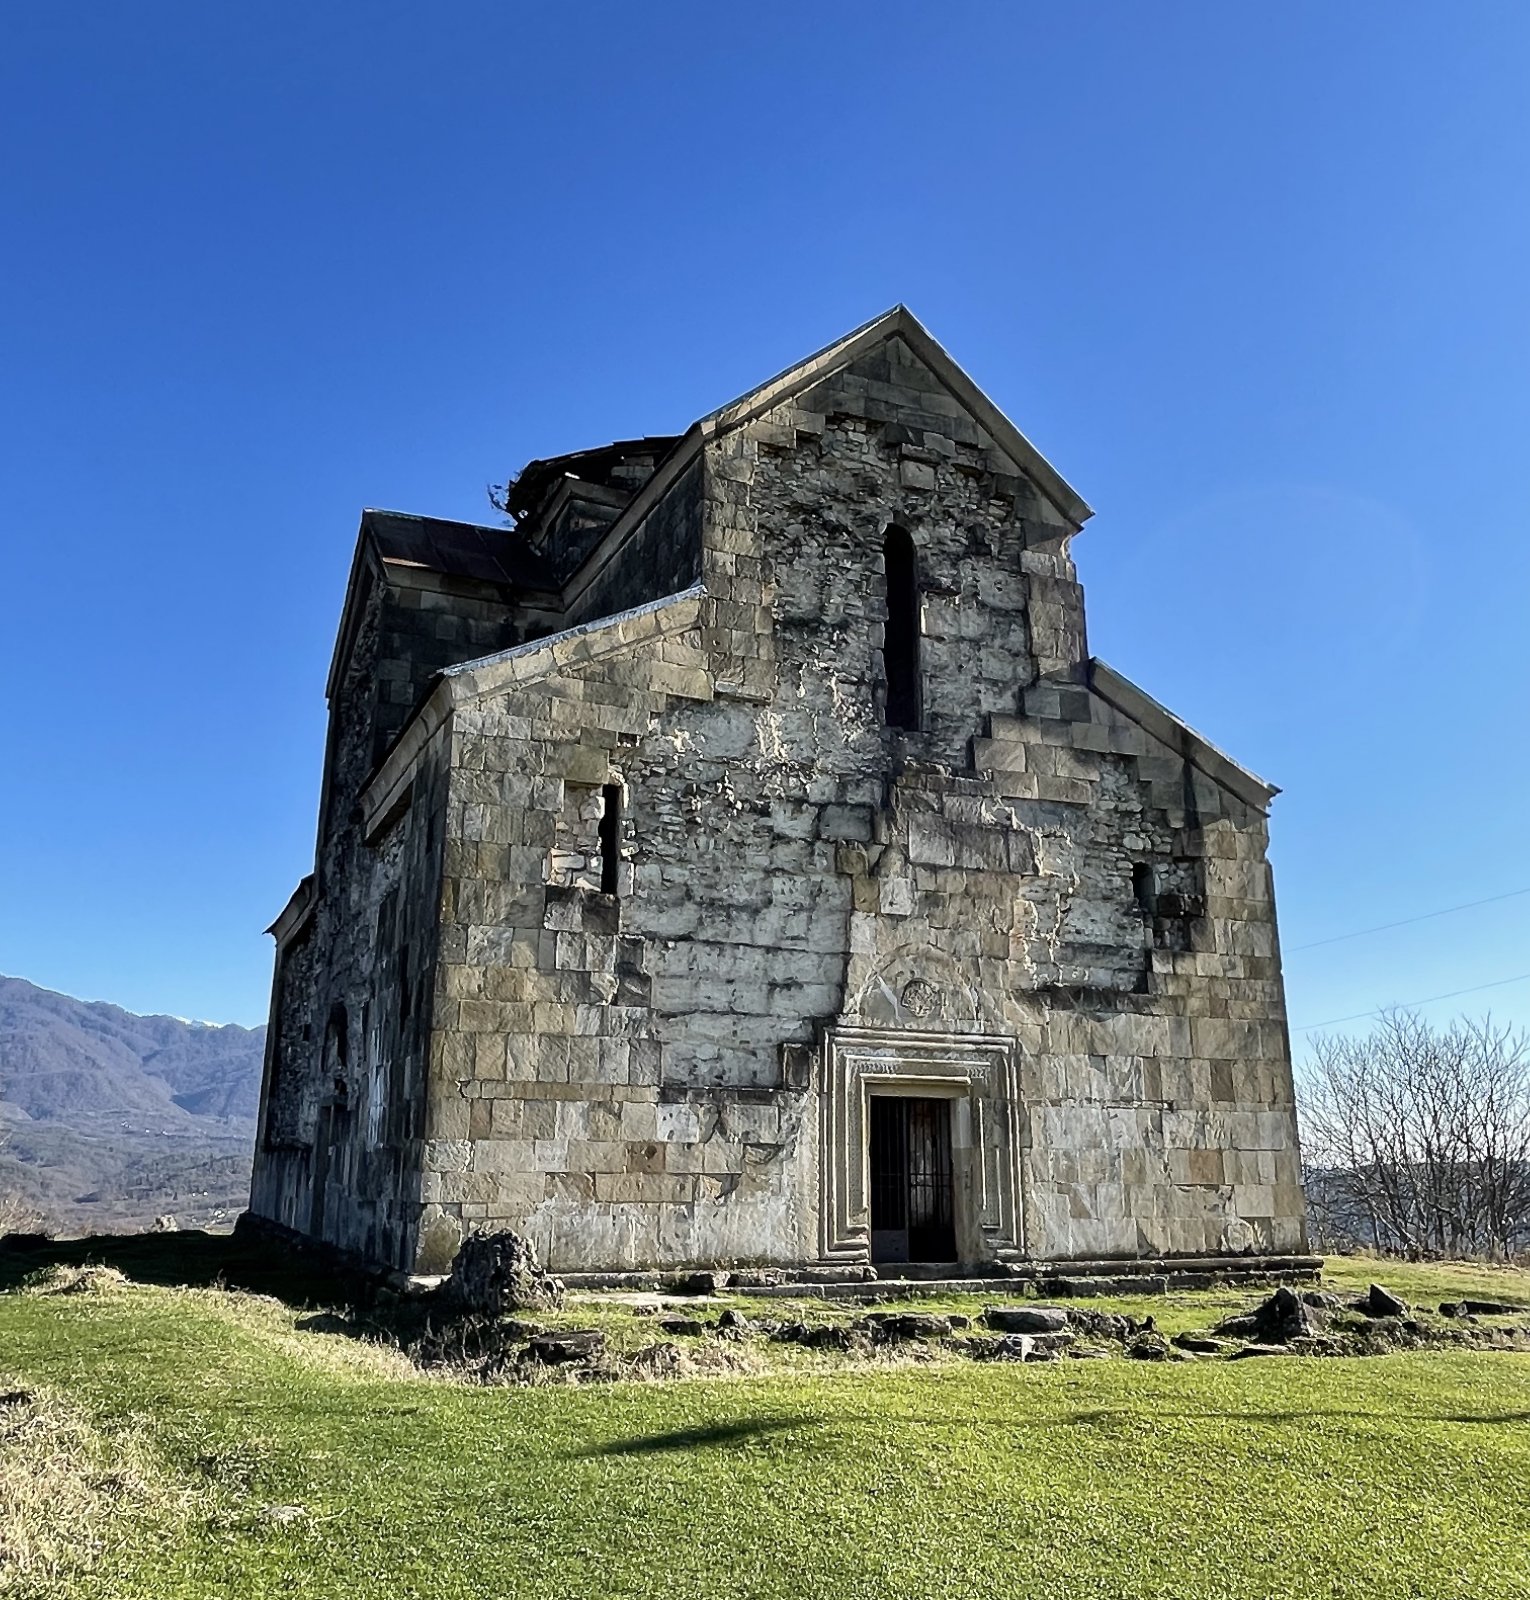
(920, 999)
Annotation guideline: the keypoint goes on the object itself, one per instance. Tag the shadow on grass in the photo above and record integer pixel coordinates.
(716, 1433)
(191, 1260)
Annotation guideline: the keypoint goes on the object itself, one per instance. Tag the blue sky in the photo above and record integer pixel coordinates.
(1253, 278)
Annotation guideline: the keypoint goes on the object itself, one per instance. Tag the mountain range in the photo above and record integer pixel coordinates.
(109, 1119)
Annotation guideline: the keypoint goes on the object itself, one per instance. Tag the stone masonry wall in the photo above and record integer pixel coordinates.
(644, 1077)
(341, 1134)
(661, 556)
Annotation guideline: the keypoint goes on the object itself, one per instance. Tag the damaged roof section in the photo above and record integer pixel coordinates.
(623, 466)
(499, 555)
(564, 505)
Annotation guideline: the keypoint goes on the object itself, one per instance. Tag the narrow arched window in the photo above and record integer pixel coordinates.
(610, 837)
(900, 639)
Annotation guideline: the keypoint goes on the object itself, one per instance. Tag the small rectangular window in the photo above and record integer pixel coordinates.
(1145, 888)
(610, 836)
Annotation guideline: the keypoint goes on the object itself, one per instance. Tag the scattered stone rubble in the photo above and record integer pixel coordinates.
(468, 1328)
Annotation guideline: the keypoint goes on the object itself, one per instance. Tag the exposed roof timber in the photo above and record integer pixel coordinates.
(529, 487)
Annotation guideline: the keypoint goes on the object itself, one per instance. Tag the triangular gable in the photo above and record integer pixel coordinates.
(572, 648)
(507, 670)
(900, 322)
(1071, 724)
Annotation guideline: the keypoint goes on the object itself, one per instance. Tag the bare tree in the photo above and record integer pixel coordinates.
(1417, 1138)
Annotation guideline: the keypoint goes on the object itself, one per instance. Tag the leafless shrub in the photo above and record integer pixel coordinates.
(1417, 1138)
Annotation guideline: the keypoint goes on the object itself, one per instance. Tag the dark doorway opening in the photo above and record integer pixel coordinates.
(912, 1213)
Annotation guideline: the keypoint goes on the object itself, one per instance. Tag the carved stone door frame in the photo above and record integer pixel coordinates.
(979, 1074)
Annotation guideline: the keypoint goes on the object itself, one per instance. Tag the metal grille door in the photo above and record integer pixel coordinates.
(912, 1215)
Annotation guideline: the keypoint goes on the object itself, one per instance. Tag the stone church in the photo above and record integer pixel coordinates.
(741, 860)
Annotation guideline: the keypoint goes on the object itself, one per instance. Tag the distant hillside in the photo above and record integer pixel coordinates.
(109, 1119)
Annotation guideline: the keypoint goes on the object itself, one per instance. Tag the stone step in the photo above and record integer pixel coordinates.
(1149, 1275)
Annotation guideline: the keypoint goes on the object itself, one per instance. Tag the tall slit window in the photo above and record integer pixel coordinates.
(610, 836)
(900, 641)
(1145, 888)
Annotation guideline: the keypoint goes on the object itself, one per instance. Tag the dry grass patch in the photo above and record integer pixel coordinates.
(74, 1280)
(67, 1488)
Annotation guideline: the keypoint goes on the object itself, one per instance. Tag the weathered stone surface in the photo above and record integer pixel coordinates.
(1101, 1324)
(632, 889)
(702, 1283)
(896, 1327)
(1026, 1319)
(495, 1273)
(1381, 1302)
(1277, 1320)
(682, 1327)
(817, 1336)
(1200, 1344)
(1482, 1308)
(577, 1344)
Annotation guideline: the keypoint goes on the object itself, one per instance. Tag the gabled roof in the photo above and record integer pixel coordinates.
(900, 322)
(461, 549)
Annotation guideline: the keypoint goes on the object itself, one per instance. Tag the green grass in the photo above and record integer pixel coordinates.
(1405, 1475)
(1429, 1282)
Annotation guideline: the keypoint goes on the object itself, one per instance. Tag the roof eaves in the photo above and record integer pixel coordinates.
(1140, 707)
(295, 914)
(589, 641)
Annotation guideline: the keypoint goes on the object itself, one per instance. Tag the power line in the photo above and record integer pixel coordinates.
(1406, 1005)
(1403, 922)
